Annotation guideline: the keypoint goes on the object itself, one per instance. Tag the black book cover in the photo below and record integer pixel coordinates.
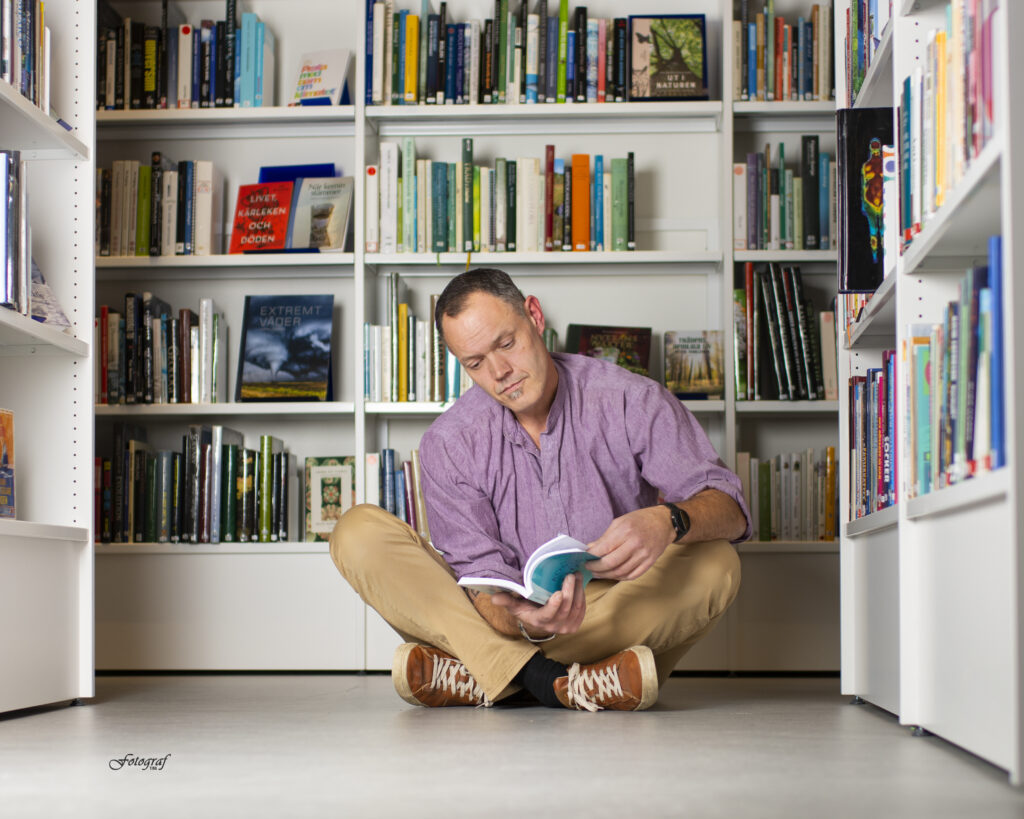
(805, 331)
(567, 210)
(786, 324)
(230, 25)
(581, 54)
(285, 350)
(771, 321)
(860, 135)
(136, 64)
(542, 50)
(510, 206)
(809, 175)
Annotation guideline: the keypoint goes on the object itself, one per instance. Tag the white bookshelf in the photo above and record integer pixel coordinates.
(931, 587)
(679, 278)
(46, 551)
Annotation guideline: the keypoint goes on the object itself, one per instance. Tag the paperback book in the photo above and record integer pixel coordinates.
(629, 347)
(668, 57)
(285, 349)
(694, 363)
(261, 217)
(320, 212)
(543, 573)
(330, 492)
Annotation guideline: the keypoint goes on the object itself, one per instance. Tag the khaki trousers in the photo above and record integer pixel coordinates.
(672, 606)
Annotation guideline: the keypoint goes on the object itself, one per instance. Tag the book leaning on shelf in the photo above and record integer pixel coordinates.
(172, 63)
(149, 355)
(527, 204)
(163, 208)
(787, 348)
(215, 490)
(395, 485)
(520, 55)
(791, 495)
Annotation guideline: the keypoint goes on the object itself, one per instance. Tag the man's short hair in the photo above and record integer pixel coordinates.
(489, 280)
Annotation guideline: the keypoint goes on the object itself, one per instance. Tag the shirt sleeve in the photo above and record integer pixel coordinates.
(462, 520)
(674, 452)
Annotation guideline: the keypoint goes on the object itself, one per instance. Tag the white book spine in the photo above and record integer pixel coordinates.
(385, 362)
(389, 197)
(739, 206)
(773, 223)
(421, 206)
(928, 136)
(205, 217)
(422, 361)
(606, 199)
(184, 66)
(371, 218)
(532, 44)
(44, 102)
(408, 195)
(372, 478)
(169, 214)
(193, 354)
(389, 11)
(500, 216)
(206, 311)
(131, 206)
(485, 209)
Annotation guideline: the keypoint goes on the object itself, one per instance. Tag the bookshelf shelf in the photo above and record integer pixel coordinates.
(875, 522)
(876, 90)
(877, 325)
(246, 260)
(298, 409)
(786, 256)
(601, 258)
(27, 129)
(970, 214)
(24, 530)
(986, 488)
(185, 549)
(788, 547)
(228, 116)
(635, 111)
(788, 108)
(20, 335)
(786, 407)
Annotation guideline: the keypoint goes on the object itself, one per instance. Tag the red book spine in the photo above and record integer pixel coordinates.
(779, 23)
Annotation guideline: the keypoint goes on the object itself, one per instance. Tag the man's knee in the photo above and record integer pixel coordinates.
(355, 533)
(717, 568)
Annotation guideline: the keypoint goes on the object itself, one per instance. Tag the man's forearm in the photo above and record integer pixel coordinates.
(713, 515)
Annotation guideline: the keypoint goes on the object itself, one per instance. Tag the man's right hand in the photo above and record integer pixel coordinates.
(562, 614)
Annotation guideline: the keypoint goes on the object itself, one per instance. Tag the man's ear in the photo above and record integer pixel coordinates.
(534, 313)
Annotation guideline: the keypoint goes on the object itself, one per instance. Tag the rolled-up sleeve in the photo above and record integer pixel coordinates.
(674, 452)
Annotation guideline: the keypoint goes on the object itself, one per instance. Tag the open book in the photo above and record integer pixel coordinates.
(544, 572)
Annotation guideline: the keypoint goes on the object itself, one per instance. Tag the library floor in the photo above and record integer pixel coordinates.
(345, 746)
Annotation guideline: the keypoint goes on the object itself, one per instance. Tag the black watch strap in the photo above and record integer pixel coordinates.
(680, 520)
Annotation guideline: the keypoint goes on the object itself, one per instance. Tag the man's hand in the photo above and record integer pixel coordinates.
(562, 614)
(631, 544)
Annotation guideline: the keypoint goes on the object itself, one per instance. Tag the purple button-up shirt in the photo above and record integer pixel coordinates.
(613, 440)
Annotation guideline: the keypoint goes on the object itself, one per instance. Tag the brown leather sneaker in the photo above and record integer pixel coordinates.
(627, 681)
(424, 675)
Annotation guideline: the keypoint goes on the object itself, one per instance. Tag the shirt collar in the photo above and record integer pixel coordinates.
(513, 430)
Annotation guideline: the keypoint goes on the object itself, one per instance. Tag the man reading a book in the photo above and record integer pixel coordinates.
(549, 443)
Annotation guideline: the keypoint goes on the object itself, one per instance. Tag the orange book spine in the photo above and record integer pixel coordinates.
(581, 201)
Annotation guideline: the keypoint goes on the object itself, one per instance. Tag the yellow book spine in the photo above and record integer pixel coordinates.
(403, 351)
(412, 56)
(830, 493)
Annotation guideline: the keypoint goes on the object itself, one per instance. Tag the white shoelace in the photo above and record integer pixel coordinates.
(587, 685)
(450, 675)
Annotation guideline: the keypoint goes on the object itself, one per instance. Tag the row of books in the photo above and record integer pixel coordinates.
(25, 50)
(777, 208)
(523, 56)
(176, 64)
(418, 205)
(873, 437)
(148, 355)
(163, 208)
(395, 485)
(955, 412)
(792, 495)
(405, 359)
(946, 113)
(214, 490)
(783, 348)
(778, 60)
(866, 23)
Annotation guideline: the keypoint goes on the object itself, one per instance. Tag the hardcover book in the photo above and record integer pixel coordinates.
(668, 56)
(861, 134)
(629, 347)
(261, 217)
(694, 363)
(320, 212)
(544, 572)
(6, 463)
(285, 349)
(330, 492)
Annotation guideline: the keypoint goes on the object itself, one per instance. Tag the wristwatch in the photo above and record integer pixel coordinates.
(680, 520)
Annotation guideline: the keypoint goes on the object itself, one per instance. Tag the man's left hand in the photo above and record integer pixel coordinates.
(631, 544)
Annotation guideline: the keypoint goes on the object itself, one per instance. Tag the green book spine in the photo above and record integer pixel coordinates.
(563, 38)
(142, 210)
(502, 50)
(764, 500)
(152, 504)
(782, 195)
(619, 199)
(177, 496)
(453, 244)
(264, 493)
(229, 493)
(467, 194)
(408, 194)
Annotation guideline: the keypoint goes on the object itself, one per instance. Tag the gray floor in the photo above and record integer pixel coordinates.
(303, 746)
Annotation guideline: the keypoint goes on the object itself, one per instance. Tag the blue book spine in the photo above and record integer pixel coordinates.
(387, 466)
(257, 84)
(997, 391)
(197, 66)
(752, 60)
(461, 92)
(366, 360)
(188, 168)
(248, 77)
(433, 24)
(597, 205)
(368, 59)
(801, 46)
(449, 64)
(570, 64)
(551, 69)
(403, 16)
(400, 495)
(809, 61)
(237, 101)
(212, 92)
(592, 63)
(440, 207)
(823, 200)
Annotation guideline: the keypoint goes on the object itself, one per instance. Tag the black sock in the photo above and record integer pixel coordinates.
(538, 677)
